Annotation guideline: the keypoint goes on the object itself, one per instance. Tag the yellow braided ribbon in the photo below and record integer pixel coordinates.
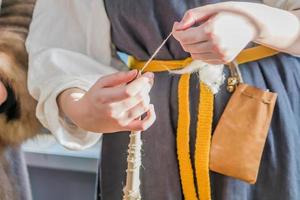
(183, 135)
(203, 141)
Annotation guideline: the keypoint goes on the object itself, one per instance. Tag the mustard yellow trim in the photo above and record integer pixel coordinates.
(255, 53)
(247, 55)
(203, 141)
(183, 135)
(158, 65)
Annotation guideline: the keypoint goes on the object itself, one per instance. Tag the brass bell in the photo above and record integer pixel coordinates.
(235, 76)
(230, 88)
(232, 83)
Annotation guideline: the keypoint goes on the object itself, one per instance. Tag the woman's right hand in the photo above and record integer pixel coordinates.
(113, 104)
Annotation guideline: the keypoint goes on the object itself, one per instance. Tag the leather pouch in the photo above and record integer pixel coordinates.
(239, 138)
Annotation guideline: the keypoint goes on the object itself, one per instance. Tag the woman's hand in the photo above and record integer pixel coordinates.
(226, 28)
(113, 104)
(3, 93)
(217, 40)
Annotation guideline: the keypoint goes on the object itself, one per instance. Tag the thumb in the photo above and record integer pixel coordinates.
(194, 16)
(3, 93)
(117, 78)
(203, 13)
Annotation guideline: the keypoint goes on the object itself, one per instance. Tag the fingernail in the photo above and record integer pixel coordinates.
(134, 71)
(149, 75)
(177, 25)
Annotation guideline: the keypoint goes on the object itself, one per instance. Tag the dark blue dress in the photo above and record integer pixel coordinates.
(138, 27)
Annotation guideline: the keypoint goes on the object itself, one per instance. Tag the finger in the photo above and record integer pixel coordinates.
(206, 57)
(111, 95)
(201, 47)
(142, 83)
(136, 112)
(119, 93)
(203, 13)
(142, 125)
(116, 79)
(192, 35)
(194, 16)
(3, 93)
(215, 62)
(129, 103)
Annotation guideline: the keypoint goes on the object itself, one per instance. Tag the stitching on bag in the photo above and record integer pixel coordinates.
(262, 99)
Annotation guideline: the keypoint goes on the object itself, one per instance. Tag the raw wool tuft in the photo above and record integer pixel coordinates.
(211, 75)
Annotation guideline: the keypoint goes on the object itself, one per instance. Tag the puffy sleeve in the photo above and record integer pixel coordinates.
(69, 46)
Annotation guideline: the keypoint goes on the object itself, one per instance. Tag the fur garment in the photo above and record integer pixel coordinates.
(18, 123)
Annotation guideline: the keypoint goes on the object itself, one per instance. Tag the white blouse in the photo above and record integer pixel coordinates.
(69, 46)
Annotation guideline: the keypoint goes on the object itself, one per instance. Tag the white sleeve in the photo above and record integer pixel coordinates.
(68, 46)
(284, 4)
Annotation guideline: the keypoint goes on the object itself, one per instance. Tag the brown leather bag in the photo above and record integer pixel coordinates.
(239, 138)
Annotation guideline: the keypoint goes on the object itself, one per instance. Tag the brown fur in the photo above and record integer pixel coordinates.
(13, 69)
(15, 18)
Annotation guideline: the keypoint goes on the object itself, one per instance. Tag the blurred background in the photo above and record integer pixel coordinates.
(59, 174)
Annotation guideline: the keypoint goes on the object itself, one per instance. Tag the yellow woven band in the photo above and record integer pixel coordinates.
(247, 55)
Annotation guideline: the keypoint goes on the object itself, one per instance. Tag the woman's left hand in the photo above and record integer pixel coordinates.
(218, 40)
(226, 28)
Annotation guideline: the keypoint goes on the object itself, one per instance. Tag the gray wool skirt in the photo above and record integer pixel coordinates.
(279, 173)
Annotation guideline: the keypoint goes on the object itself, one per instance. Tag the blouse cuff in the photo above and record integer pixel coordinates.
(66, 132)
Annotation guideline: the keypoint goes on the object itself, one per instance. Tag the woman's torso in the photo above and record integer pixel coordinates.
(138, 27)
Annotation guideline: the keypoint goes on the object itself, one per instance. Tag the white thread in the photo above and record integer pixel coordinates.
(156, 52)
